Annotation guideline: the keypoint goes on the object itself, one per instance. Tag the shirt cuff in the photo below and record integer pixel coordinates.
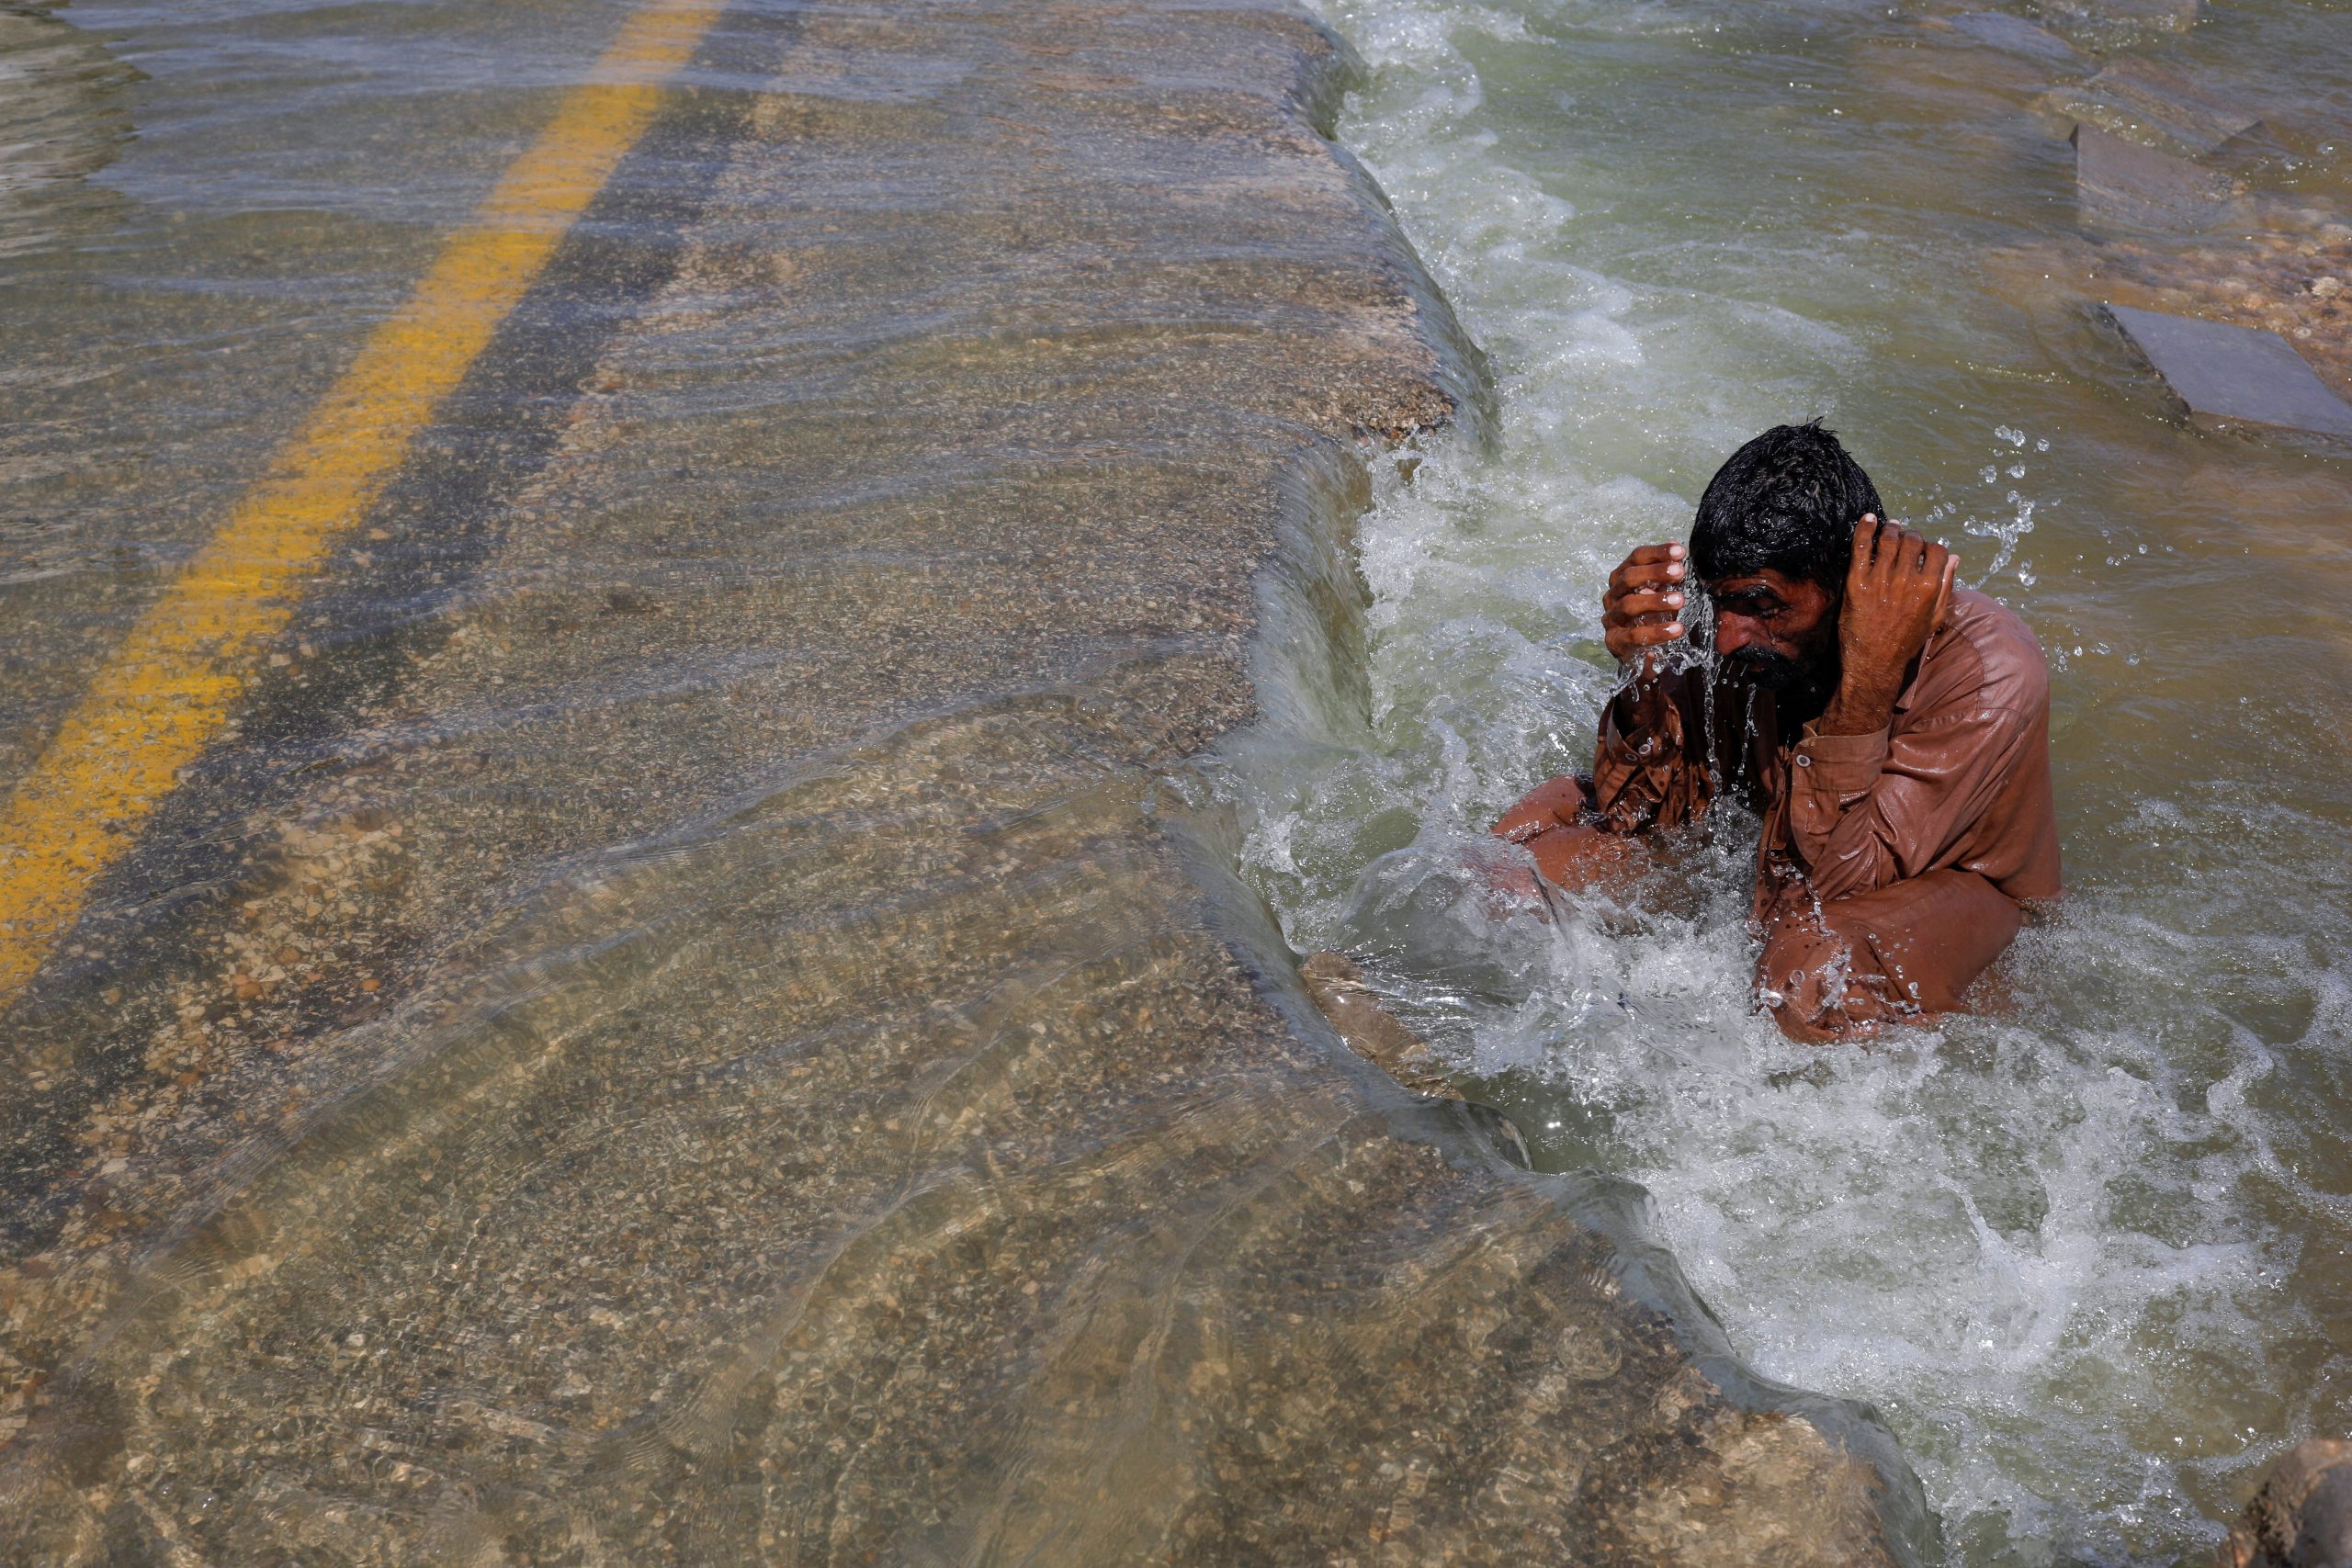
(1640, 709)
(1839, 764)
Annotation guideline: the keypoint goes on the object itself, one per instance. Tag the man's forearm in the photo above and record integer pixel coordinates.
(1644, 773)
(1623, 714)
(1862, 705)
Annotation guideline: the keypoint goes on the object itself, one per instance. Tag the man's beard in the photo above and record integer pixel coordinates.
(1766, 670)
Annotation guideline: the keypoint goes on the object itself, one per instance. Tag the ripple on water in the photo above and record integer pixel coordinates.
(63, 115)
(2079, 1250)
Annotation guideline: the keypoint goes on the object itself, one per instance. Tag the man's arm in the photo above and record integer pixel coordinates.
(1646, 772)
(1650, 768)
(1868, 808)
(1898, 591)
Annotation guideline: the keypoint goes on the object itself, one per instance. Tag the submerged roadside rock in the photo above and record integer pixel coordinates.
(714, 1050)
(2300, 1517)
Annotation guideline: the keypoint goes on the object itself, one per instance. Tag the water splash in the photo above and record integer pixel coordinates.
(2058, 1245)
(2006, 531)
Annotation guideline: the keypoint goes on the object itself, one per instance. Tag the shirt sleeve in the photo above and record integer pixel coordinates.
(1650, 770)
(1868, 810)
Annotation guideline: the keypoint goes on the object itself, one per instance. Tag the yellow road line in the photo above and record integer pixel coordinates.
(173, 680)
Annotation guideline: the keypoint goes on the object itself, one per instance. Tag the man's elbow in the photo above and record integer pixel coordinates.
(1807, 978)
(1803, 1031)
(1552, 804)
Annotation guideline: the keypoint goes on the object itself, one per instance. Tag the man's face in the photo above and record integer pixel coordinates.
(1777, 631)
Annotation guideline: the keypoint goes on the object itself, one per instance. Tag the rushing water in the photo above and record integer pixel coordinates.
(535, 932)
(2088, 1258)
(669, 1029)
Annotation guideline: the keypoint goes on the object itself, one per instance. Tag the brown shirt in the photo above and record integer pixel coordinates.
(1961, 779)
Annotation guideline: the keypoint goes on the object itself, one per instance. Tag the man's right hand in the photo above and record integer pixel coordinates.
(1642, 606)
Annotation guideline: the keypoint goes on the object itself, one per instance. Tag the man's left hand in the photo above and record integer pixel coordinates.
(1898, 591)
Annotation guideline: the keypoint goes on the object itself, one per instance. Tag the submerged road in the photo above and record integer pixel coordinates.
(169, 689)
(607, 973)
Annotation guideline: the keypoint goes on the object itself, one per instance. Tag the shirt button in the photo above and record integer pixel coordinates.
(1803, 760)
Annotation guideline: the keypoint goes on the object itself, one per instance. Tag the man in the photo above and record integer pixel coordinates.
(1890, 730)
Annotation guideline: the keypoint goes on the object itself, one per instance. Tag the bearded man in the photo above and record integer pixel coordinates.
(1890, 730)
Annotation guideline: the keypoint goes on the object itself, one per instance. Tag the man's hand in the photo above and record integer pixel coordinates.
(1898, 591)
(1643, 605)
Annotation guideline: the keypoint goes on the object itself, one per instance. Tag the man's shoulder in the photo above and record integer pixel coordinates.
(1985, 657)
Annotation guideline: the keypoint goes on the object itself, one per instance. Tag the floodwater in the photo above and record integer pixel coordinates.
(678, 1022)
(2088, 1258)
(670, 931)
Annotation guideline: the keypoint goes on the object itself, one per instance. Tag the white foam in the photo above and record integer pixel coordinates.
(2026, 1239)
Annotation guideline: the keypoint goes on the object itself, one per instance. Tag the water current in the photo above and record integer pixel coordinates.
(2088, 1258)
(414, 1262)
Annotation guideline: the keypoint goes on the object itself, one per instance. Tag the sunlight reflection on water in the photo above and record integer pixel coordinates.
(2082, 1252)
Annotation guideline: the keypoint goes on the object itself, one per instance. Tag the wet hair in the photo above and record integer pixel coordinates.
(1788, 502)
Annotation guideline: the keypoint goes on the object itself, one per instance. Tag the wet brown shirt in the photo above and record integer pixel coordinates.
(1961, 779)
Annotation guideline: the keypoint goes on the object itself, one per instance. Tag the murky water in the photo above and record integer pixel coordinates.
(678, 1022)
(2087, 1258)
(670, 999)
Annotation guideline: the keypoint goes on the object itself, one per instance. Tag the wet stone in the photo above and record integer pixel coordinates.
(2121, 182)
(2161, 15)
(2017, 36)
(2232, 373)
(2155, 102)
(2301, 1516)
(1350, 1005)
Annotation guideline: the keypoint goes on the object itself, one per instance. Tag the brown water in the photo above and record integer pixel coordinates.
(687, 865)
(682, 1021)
(2090, 1259)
